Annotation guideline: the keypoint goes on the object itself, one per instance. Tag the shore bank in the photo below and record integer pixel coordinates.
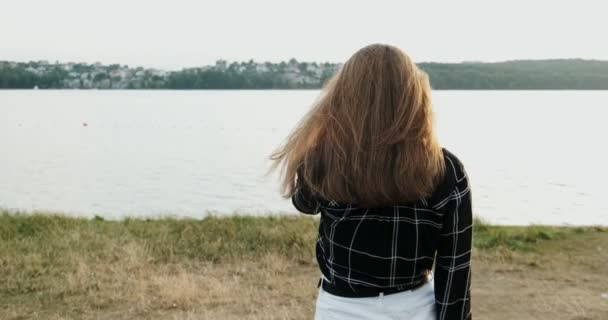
(54, 267)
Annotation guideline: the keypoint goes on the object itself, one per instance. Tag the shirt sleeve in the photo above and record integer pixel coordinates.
(453, 263)
(302, 199)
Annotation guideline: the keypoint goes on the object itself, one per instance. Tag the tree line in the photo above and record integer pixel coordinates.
(566, 74)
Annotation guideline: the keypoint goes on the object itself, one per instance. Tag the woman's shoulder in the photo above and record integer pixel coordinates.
(454, 178)
(453, 166)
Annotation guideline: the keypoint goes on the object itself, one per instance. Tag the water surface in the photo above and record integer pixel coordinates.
(532, 156)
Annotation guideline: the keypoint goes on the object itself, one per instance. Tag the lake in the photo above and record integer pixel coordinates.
(533, 156)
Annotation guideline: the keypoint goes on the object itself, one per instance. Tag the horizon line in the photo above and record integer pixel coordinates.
(299, 61)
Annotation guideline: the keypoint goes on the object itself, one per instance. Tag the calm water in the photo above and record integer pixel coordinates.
(533, 157)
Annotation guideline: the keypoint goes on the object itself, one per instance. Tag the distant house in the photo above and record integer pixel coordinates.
(74, 84)
(160, 73)
(117, 73)
(221, 64)
(292, 68)
(32, 70)
(118, 85)
(261, 68)
(87, 84)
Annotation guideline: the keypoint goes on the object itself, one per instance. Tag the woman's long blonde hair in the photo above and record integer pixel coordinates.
(369, 138)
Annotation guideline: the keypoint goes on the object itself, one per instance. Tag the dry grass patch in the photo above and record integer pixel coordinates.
(54, 267)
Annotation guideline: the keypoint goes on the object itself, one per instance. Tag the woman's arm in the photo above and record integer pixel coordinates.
(302, 198)
(453, 264)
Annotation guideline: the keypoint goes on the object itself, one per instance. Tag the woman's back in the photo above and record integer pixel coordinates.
(387, 247)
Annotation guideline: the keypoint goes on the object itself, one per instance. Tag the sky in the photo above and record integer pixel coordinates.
(186, 33)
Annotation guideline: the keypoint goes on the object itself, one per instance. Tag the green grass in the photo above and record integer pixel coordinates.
(215, 238)
(522, 238)
(209, 239)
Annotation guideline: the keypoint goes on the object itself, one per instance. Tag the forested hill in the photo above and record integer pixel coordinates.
(520, 75)
(571, 74)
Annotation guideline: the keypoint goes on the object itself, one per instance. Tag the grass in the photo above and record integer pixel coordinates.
(518, 238)
(164, 240)
(55, 267)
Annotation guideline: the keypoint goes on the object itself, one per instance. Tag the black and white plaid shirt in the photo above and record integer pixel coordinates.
(393, 246)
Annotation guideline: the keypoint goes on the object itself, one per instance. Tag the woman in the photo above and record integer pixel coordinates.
(393, 203)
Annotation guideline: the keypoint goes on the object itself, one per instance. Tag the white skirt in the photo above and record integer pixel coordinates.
(407, 305)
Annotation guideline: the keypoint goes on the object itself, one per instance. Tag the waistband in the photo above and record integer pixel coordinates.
(364, 292)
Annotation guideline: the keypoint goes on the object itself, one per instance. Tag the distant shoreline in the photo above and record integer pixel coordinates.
(564, 74)
(277, 89)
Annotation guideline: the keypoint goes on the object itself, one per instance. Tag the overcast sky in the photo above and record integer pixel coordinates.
(182, 33)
